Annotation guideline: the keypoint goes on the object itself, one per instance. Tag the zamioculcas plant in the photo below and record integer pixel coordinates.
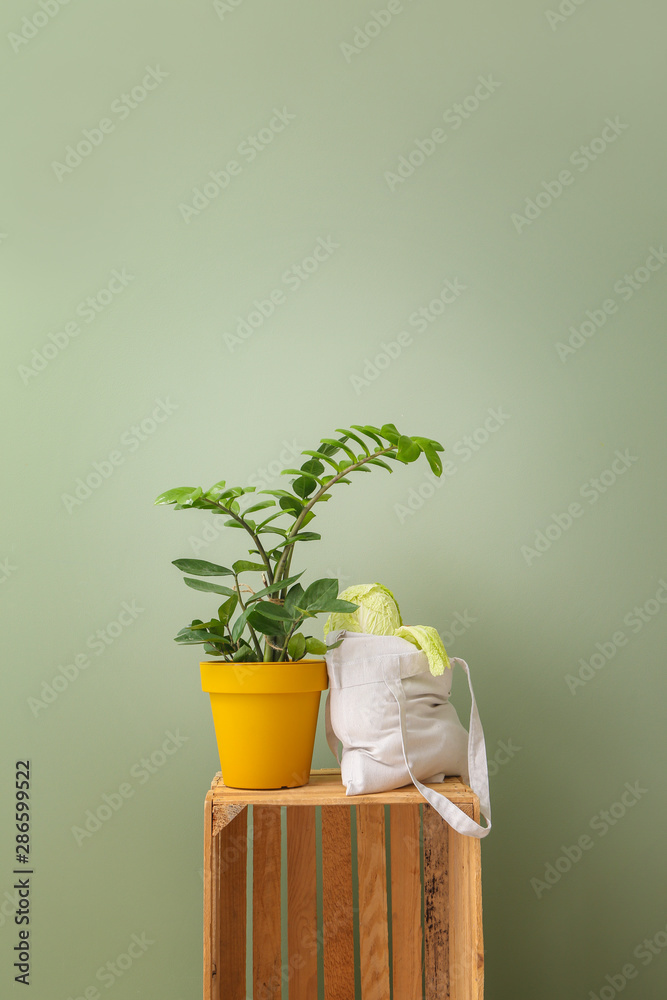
(266, 623)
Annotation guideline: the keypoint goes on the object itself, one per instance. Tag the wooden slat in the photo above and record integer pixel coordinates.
(231, 908)
(301, 903)
(211, 936)
(266, 940)
(465, 914)
(406, 900)
(373, 935)
(337, 910)
(436, 907)
(453, 945)
(327, 789)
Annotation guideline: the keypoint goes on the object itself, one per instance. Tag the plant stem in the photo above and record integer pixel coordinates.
(296, 625)
(283, 567)
(253, 535)
(258, 648)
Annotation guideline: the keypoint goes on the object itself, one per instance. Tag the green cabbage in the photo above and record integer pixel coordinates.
(377, 614)
(426, 638)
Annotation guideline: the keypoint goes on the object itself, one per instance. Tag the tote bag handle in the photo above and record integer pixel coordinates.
(477, 765)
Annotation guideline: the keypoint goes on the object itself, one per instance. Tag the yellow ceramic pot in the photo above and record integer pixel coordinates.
(265, 717)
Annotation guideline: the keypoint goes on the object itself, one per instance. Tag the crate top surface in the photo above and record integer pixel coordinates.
(326, 789)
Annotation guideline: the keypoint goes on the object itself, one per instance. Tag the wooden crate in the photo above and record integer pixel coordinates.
(433, 873)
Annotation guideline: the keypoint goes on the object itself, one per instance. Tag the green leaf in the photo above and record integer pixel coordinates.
(291, 504)
(209, 588)
(428, 447)
(321, 454)
(211, 625)
(369, 431)
(269, 519)
(244, 654)
(188, 637)
(342, 446)
(307, 518)
(305, 536)
(243, 566)
(216, 491)
(304, 486)
(348, 451)
(213, 649)
(268, 609)
(273, 588)
(219, 628)
(315, 645)
(390, 432)
(313, 466)
(336, 605)
(194, 496)
(296, 647)
(345, 464)
(233, 524)
(238, 491)
(294, 599)
(298, 472)
(408, 451)
(200, 567)
(271, 530)
(378, 461)
(319, 592)
(227, 609)
(277, 493)
(258, 506)
(269, 626)
(176, 495)
(354, 437)
(332, 446)
(239, 624)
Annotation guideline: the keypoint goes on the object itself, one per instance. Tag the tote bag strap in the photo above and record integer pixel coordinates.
(477, 765)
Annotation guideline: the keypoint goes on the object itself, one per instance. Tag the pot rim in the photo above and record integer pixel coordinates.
(293, 677)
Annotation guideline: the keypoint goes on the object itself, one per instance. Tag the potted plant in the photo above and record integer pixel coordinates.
(264, 692)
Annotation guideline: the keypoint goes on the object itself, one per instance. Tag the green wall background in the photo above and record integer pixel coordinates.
(155, 374)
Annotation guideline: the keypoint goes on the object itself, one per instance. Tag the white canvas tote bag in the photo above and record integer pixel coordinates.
(397, 725)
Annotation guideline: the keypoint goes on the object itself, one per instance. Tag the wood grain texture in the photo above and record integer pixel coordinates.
(453, 938)
(466, 970)
(232, 848)
(372, 872)
(436, 906)
(211, 935)
(301, 903)
(337, 911)
(406, 902)
(266, 940)
(326, 788)
(224, 813)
